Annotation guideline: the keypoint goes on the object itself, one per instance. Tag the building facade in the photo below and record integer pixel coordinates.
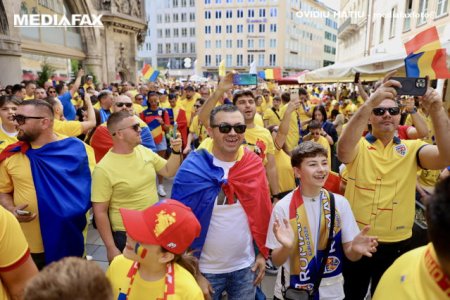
(107, 52)
(273, 33)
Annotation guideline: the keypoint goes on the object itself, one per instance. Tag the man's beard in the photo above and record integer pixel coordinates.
(26, 137)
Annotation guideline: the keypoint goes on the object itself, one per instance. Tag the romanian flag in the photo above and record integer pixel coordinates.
(425, 56)
(156, 130)
(272, 74)
(149, 73)
(262, 74)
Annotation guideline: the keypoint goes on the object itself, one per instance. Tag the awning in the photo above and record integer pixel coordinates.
(292, 79)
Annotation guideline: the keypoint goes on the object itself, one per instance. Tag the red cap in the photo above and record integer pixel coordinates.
(168, 223)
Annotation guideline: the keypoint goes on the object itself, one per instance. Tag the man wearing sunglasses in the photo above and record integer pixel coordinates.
(225, 186)
(39, 176)
(126, 178)
(382, 178)
(102, 141)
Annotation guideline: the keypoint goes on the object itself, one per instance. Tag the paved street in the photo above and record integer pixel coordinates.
(97, 250)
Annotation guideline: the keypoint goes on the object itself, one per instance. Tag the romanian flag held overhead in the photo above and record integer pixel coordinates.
(272, 74)
(149, 73)
(425, 56)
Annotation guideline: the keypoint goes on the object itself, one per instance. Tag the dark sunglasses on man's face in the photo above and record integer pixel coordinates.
(226, 128)
(380, 111)
(135, 127)
(51, 92)
(21, 119)
(120, 104)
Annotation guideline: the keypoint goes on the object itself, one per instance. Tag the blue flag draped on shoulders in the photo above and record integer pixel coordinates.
(62, 180)
(198, 183)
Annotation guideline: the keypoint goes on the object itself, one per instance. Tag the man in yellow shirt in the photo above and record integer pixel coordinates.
(382, 178)
(8, 131)
(272, 114)
(188, 101)
(257, 138)
(39, 176)
(30, 87)
(114, 181)
(424, 273)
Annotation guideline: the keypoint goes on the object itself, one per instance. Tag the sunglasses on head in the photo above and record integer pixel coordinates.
(21, 119)
(226, 128)
(135, 127)
(120, 104)
(380, 111)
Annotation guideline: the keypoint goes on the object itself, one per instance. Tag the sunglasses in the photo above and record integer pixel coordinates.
(135, 127)
(21, 119)
(120, 104)
(380, 111)
(52, 92)
(226, 128)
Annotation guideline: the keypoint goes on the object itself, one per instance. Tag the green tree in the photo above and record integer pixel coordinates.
(45, 74)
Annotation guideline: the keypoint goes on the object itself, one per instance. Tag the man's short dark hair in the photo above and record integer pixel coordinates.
(40, 105)
(5, 99)
(103, 94)
(286, 97)
(302, 91)
(16, 88)
(243, 93)
(314, 124)
(29, 82)
(115, 118)
(222, 108)
(438, 218)
(305, 150)
(59, 88)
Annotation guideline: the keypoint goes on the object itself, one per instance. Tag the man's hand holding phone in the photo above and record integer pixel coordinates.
(23, 215)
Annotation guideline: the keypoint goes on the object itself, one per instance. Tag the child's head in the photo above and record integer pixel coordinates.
(310, 163)
(159, 233)
(315, 129)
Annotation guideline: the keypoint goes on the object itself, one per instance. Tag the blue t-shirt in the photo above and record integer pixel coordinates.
(69, 109)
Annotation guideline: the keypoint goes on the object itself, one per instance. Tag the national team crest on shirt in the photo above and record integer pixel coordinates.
(332, 264)
(401, 149)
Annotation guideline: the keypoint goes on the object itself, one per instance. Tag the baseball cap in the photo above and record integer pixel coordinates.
(162, 91)
(89, 77)
(168, 223)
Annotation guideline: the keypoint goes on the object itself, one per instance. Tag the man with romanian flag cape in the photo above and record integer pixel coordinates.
(299, 230)
(45, 181)
(226, 188)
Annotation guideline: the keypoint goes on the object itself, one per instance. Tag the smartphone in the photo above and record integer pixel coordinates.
(356, 81)
(245, 79)
(21, 212)
(294, 92)
(174, 130)
(411, 86)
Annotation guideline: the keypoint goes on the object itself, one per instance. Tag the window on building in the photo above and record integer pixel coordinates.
(261, 43)
(207, 60)
(272, 60)
(262, 12)
(207, 44)
(261, 60)
(218, 29)
(273, 27)
(229, 1)
(175, 3)
(167, 18)
(218, 14)
(240, 43)
(176, 48)
(381, 30)
(229, 14)
(273, 43)
(160, 48)
(159, 33)
(240, 28)
(192, 3)
(251, 28)
(175, 32)
(192, 32)
(183, 47)
(207, 1)
(262, 27)
(393, 20)
(192, 47)
(273, 12)
(158, 18)
(175, 18)
(250, 59)
(207, 14)
(251, 13)
(250, 43)
(183, 3)
(229, 28)
(240, 13)
(167, 33)
(441, 7)
(192, 17)
(218, 44)
(229, 44)
(240, 60)
(423, 9)
(184, 32)
(183, 17)
(218, 1)
(229, 60)
(218, 60)
(168, 48)
(207, 29)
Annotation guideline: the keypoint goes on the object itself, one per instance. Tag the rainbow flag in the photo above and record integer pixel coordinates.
(149, 73)
(425, 56)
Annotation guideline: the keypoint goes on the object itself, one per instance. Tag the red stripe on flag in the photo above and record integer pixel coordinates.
(439, 64)
(421, 39)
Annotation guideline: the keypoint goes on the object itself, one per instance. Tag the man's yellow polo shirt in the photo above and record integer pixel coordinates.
(381, 186)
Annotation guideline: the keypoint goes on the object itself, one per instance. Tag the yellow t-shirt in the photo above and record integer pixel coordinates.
(431, 133)
(137, 108)
(6, 139)
(165, 104)
(186, 288)
(258, 120)
(188, 106)
(324, 142)
(28, 97)
(67, 128)
(259, 136)
(286, 179)
(126, 181)
(293, 135)
(428, 179)
(198, 129)
(413, 276)
(16, 178)
(271, 117)
(13, 245)
(266, 103)
(381, 187)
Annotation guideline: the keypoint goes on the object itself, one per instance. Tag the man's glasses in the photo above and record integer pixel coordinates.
(21, 119)
(380, 111)
(52, 92)
(135, 127)
(120, 104)
(226, 128)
